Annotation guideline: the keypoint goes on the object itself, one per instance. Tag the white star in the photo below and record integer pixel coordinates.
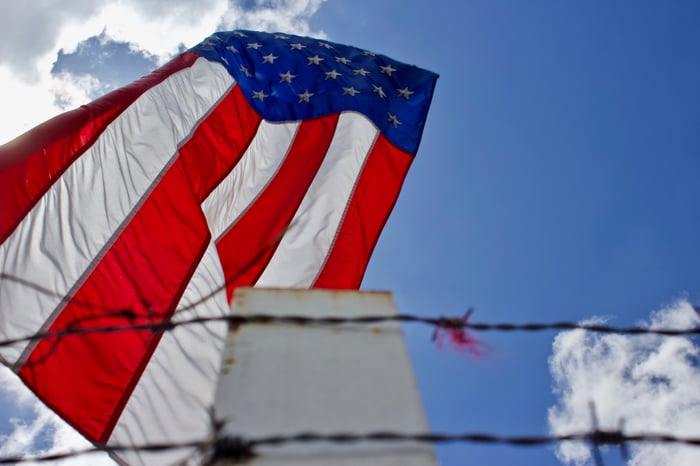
(387, 69)
(332, 74)
(232, 49)
(223, 59)
(342, 60)
(296, 46)
(315, 60)
(254, 45)
(239, 34)
(379, 91)
(245, 71)
(368, 53)
(269, 58)
(323, 44)
(305, 97)
(393, 120)
(280, 36)
(350, 90)
(260, 95)
(405, 92)
(288, 76)
(361, 71)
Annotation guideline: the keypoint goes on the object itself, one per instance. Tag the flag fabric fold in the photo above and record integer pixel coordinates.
(251, 159)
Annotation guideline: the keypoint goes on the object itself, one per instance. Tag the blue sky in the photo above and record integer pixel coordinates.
(556, 180)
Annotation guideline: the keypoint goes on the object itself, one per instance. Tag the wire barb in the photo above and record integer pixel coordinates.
(241, 448)
(232, 449)
(442, 322)
(77, 326)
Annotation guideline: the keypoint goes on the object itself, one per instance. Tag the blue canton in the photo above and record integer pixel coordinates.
(289, 78)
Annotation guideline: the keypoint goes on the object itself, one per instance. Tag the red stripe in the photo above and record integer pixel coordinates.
(31, 163)
(85, 377)
(372, 201)
(88, 379)
(246, 247)
(219, 144)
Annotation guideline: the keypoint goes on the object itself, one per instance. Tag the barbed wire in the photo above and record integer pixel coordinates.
(240, 448)
(152, 447)
(450, 323)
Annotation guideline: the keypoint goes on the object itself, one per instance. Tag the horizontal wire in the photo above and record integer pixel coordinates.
(596, 437)
(241, 447)
(453, 323)
(152, 447)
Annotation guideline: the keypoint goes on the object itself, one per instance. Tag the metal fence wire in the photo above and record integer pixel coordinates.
(241, 448)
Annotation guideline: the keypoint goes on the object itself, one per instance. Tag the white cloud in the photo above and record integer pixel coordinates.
(24, 104)
(31, 33)
(43, 432)
(28, 30)
(70, 91)
(264, 15)
(649, 381)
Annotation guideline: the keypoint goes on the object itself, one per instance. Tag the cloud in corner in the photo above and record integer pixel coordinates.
(31, 36)
(649, 381)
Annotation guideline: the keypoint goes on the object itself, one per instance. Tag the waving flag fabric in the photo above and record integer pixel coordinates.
(251, 159)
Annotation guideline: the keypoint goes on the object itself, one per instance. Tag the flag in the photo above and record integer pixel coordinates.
(251, 159)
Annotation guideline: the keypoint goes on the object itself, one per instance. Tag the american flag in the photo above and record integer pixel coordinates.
(251, 159)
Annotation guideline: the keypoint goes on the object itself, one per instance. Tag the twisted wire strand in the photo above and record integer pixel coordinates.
(441, 322)
(237, 448)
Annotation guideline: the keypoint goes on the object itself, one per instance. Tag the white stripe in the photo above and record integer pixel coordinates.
(172, 399)
(248, 179)
(305, 246)
(64, 234)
